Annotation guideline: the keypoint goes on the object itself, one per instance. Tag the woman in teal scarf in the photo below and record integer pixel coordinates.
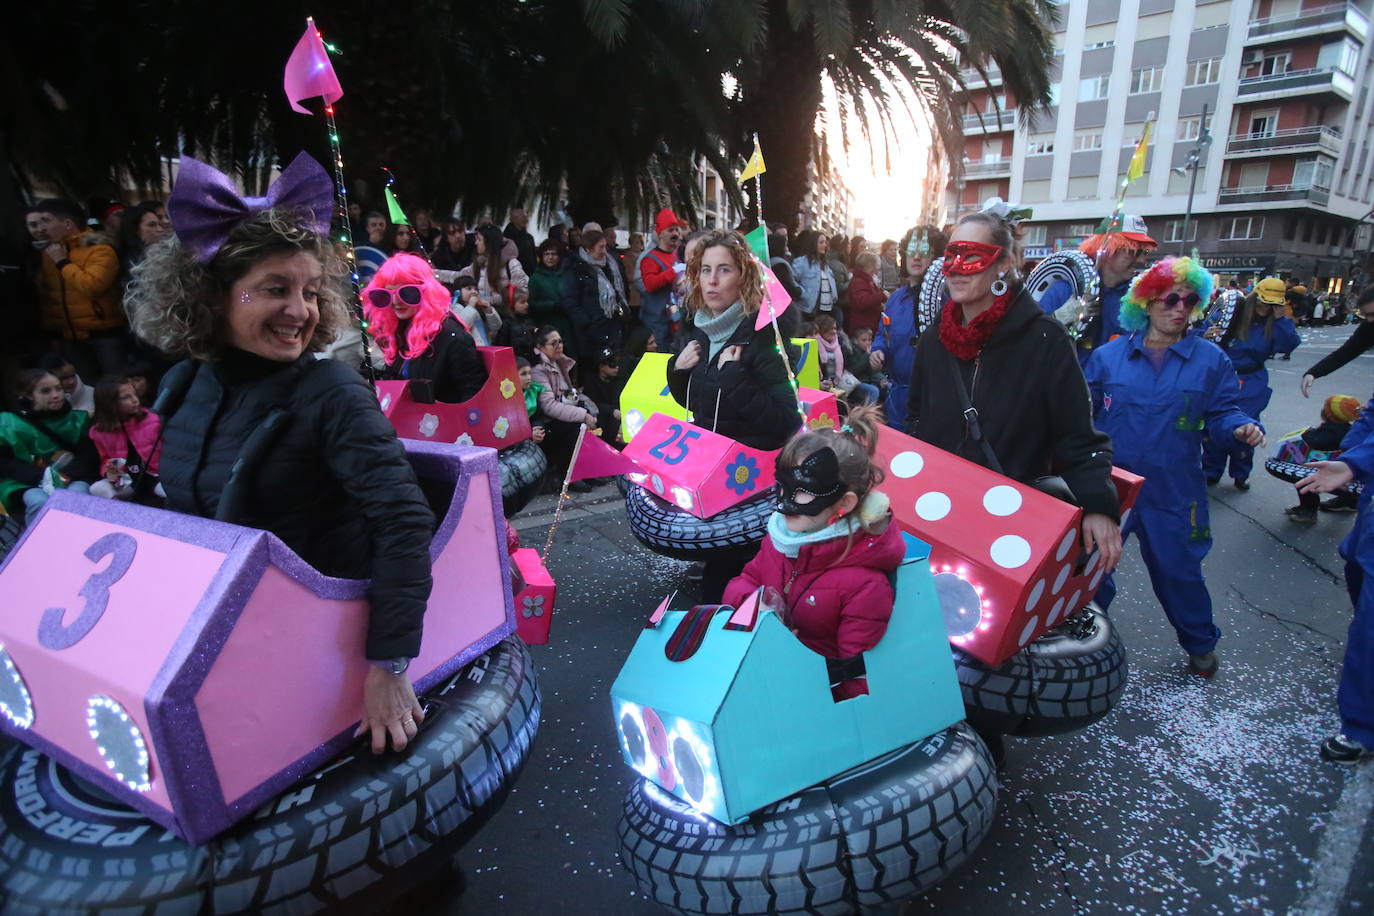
(731, 377)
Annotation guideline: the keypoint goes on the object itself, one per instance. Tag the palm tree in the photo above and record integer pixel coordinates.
(872, 52)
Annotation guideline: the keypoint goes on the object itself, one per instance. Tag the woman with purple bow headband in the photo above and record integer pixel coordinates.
(259, 432)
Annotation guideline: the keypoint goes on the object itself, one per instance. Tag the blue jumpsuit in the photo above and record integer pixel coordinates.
(1156, 419)
(1355, 697)
(1108, 327)
(896, 340)
(1248, 357)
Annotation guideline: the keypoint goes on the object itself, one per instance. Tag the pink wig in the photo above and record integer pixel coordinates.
(407, 270)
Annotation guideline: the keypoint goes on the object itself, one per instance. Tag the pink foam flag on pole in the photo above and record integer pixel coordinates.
(597, 459)
(775, 298)
(309, 72)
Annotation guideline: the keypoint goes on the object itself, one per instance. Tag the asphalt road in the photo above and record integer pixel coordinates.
(1190, 797)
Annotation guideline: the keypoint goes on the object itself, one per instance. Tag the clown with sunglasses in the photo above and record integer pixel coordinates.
(421, 339)
(1157, 392)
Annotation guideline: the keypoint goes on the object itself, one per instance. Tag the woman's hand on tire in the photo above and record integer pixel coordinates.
(1331, 475)
(389, 709)
(1101, 532)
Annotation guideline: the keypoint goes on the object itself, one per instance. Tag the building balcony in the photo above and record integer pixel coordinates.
(988, 168)
(1334, 17)
(1270, 193)
(974, 80)
(1318, 80)
(1316, 137)
(988, 122)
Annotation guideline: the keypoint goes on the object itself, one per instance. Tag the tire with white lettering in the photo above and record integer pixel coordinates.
(669, 530)
(523, 466)
(1065, 680)
(881, 833)
(353, 835)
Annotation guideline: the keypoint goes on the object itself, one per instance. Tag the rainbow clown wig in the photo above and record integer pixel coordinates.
(407, 270)
(1156, 283)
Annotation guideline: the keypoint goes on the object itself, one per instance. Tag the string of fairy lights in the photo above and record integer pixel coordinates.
(346, 226)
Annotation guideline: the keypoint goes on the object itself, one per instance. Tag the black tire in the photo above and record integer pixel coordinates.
(523, 466)
(10, 532)
(1063, 681)
(668, 530)
(1289, 472)
(358, 831)
(881, 833)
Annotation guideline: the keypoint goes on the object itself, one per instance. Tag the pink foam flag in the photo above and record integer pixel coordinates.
(747, 614)
(309, 72)
(775, 298)
(657, 616)
(597, 459)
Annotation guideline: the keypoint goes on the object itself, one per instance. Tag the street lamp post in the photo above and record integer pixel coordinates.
(1204, 140)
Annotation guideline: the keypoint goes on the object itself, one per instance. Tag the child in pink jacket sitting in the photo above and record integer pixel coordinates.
(831, 547)
(126, 435)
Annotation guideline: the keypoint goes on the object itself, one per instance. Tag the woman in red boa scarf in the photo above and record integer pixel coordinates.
(1032, 417)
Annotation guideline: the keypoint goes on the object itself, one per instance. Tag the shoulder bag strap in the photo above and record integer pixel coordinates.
(975, 430)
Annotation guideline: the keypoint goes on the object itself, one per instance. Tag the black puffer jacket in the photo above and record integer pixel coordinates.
(1032, 404)
(451, 362)
(758, 407)
(592, 330)
(336, 486)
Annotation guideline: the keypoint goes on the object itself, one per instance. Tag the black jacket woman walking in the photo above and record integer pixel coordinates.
(994, 348)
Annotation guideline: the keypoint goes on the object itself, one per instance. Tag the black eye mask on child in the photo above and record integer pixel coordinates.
(818, 477)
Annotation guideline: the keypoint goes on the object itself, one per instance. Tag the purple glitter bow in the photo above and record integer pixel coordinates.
(204, 207)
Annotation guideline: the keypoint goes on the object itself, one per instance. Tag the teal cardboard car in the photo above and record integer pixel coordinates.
(729, 712)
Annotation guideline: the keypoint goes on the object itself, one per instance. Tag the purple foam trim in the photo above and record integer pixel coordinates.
(205, 532)
(188, 770)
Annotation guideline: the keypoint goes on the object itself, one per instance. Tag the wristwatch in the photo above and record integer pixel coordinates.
(396, 666)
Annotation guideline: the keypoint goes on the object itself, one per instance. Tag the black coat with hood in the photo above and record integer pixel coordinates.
(335, 484)
(1032, 402)
(757, 405)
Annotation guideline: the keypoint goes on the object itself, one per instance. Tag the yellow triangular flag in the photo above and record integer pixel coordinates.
(755, 166)
(1137, 166)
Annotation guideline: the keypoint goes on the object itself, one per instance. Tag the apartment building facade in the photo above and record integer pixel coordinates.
(1283, 179)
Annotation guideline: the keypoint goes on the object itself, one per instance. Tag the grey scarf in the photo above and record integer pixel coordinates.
(609, 287)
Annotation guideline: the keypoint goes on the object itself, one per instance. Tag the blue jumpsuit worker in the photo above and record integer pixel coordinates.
(1257, 333)
(895, 342)
(1355, 696)
(1155, 392)
(1118, 255)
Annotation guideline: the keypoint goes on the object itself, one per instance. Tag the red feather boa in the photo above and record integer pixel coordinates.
(966, 341)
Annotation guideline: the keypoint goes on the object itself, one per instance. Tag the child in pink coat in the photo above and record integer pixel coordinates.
(127, 437)
(831, 548)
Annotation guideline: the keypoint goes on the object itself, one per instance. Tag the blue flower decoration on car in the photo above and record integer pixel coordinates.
(741, 475)
(474, 416)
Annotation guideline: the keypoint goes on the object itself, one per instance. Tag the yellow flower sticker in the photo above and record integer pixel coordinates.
(823, 421)
(507, 388)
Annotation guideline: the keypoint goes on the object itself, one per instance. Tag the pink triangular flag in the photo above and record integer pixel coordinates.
(775, 298)
(658, 613)
(309, 72)
(597, 459)
(747, 614)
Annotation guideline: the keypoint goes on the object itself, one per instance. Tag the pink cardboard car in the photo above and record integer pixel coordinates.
(195, 669)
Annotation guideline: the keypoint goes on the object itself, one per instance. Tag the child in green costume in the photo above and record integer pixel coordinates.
(43, 445)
